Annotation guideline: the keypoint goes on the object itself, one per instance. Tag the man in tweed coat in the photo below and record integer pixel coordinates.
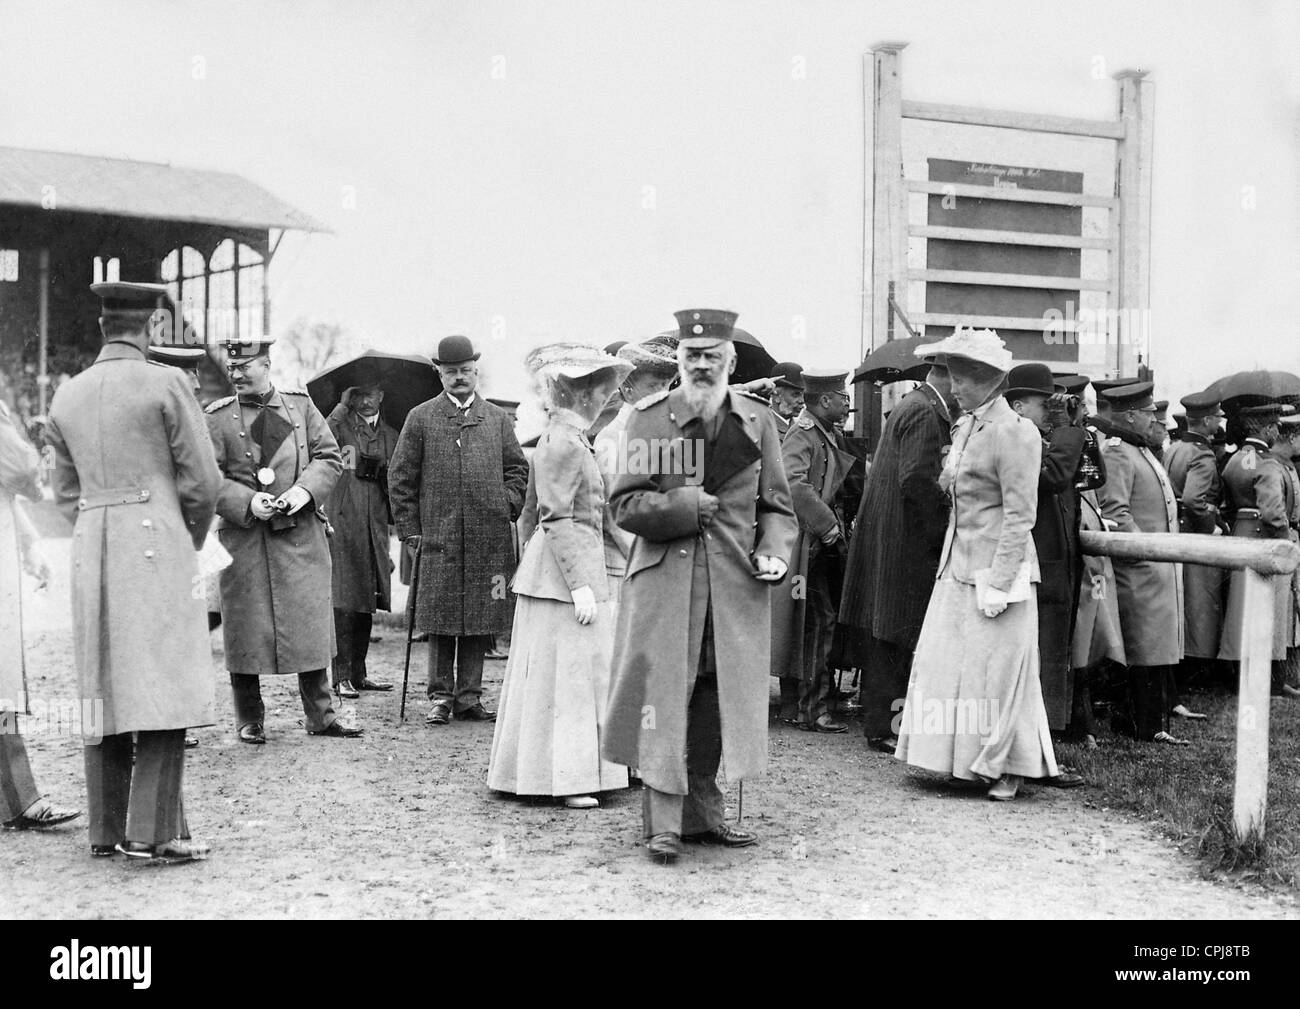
(894, 557)
(456, 482)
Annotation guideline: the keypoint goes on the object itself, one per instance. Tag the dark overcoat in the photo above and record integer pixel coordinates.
(1137, 497)
(458, 481)
(899, 532)
(653, 662)
(1194, 475)
(816, 462)
(133, 469)
(358, 510)
(276, 615)
(1056, 540)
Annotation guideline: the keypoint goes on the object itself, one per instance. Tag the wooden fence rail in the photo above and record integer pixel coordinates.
(1263, 561)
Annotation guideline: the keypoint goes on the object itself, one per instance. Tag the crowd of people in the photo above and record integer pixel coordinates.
(672, 543)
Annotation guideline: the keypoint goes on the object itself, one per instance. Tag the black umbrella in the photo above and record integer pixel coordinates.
(752, 360)
(894, 361)
(1263, 385)
(407, 380)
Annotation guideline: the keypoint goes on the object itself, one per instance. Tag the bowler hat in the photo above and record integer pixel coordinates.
(455, 350)
(788, 374)
(1030, 378)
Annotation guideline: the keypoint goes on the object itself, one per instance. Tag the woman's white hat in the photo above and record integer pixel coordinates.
(574, 360)
(983, 345)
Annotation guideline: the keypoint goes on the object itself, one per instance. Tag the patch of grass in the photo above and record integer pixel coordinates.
(1187, 790)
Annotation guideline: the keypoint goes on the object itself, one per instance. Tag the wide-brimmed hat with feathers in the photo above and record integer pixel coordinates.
(574, 361)
(982, 345)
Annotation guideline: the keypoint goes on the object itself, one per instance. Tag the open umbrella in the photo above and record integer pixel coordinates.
(893, 361)
(407, 380)
(752, 360)
(1264, 385)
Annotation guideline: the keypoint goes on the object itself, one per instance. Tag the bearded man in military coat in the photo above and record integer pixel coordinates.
(279, 463)
(457, 481)
(134, 470)
(706, 496)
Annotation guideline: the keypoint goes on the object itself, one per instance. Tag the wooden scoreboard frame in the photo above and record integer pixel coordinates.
(896, 278)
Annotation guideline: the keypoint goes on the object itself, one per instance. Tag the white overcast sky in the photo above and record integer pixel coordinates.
(511, 205)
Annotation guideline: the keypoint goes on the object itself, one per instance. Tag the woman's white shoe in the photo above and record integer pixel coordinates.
(1005, 788)
(581, 801)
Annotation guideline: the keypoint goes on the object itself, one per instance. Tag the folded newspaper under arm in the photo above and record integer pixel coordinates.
(1018, 592)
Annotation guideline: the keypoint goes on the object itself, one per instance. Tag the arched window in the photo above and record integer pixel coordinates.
(223, 297)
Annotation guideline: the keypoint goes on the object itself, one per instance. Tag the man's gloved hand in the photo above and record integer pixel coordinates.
(292, 501)
(584, 604)
(262, 506)
(708, 507)
(1058, 411)
(831, 535)
(770, 569)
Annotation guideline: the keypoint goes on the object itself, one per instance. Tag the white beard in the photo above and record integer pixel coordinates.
(705, 400)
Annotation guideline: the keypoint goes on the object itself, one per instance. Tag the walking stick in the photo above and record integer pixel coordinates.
(740, 805)
(410, 625)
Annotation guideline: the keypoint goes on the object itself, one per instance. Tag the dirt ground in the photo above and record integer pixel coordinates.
(401, 824)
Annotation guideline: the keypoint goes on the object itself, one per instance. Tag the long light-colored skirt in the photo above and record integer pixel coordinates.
(974, 705)
(552, 706)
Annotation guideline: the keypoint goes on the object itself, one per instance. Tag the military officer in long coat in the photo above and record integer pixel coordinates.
(134, 470)
(21, 805)
(1194, 475)
(279, 463)
(710, 507)
(457, 481)
(816, 460)
(359, 512)
(1137, 497)
(1259, 497)
(894, 557)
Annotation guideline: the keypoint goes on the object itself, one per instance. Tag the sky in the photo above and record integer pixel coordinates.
(525, 172)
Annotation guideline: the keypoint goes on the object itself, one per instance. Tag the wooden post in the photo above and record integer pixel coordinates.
(1250, 792)
(1133, 181)
(886, 195)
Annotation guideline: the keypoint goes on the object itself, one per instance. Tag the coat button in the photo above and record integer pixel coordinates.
(147, 523)
(297, 425)
(249, 454)
(148, 553)
(682, 552)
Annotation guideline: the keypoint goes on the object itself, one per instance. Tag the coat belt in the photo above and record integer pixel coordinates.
(109, 498)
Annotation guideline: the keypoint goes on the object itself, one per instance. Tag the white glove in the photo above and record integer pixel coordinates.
(584, 604)
(293, 500)
(995, 602)
(262, 506)
(36, 565)
(770, 569)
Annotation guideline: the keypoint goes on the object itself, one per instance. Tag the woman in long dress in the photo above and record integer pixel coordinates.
(549, 718)
(974, 705)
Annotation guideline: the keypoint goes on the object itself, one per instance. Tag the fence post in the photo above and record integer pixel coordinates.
(1250, 794)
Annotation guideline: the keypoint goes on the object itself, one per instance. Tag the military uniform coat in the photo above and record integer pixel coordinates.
(133, 469)
(18, 470)
(1137, 497)
(1060, 561)
(900, 526)
(654, 663)
(276, 612)
(816, 462)
(1258, 493)
(458, 480)
(358, 511)
(1194, 475)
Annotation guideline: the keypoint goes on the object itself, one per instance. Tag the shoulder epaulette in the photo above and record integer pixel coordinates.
(804, 421)
(652, 399)
(753, 396)
(1112, 441)
(293, 392)
(217, 404)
